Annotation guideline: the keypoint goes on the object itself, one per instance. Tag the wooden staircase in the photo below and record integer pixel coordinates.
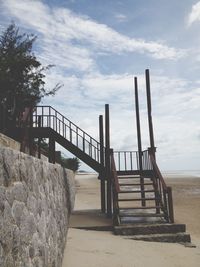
(46, 122)
(138, 203)
(142, 206)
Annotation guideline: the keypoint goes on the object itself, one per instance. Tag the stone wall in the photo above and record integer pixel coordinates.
(9, 142)
(36, 199)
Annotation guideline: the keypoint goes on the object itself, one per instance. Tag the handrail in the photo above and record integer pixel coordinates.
(46, 116)
(156, 169)
(164, 191)
(114, 174)
(126, 160)
(57, 112)
(115, 189)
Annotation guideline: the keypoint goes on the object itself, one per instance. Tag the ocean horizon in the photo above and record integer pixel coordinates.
(165, 173)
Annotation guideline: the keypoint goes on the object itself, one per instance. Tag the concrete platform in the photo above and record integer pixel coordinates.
(90, 220)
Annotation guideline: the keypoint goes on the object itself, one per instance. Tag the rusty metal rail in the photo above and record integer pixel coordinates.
(115, 189)
(129, 160)
(126, 160)
(46, 116)
(164, 191)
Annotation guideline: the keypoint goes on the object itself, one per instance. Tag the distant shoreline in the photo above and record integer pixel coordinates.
(187, 174)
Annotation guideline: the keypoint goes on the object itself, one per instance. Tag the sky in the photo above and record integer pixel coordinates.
(99, 46)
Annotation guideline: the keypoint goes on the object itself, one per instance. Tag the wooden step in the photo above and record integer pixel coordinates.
(132, 177)
(134, 184)
(144, 208)
(137, 199)
(146, 229)
(168, 238)
(128, 176)
(141, 215)
(136, 191)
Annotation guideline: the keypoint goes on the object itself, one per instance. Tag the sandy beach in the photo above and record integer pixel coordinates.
(103, 249)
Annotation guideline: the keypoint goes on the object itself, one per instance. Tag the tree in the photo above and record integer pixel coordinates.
(70, 163)
(21, 74)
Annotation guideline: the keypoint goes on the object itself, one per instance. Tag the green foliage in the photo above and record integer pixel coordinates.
(70, 163)
(21, 74)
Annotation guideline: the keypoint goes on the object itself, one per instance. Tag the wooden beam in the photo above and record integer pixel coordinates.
(102, 161)
(138, 123)
(107, 161)
(148, 92)
(139, 140)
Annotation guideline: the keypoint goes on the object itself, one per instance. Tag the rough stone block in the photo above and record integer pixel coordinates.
(35, 203)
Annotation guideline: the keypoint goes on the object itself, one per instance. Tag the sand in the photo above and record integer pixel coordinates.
(103, 249)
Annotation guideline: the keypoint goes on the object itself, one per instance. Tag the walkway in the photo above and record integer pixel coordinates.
(103, 249)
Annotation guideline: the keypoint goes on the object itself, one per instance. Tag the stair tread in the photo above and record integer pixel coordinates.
(128, 176)
(131, 184)
(147, 207)
(145, 228)
(133, 177)
(141, 215)
(136, 191)
(169, 238)
(136, 199)
(148, 225)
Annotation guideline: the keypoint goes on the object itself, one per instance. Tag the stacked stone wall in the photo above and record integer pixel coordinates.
(36, 199)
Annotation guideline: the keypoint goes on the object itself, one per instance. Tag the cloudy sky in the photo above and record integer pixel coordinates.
(99, 46)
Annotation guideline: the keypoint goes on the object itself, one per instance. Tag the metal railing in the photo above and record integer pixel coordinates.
(164, 191)
(129, 160)
(126, 160)
(46, 116)
(115, 189)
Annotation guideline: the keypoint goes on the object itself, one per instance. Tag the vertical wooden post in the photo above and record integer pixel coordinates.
(102, 161)
(31, 143)
(148, 92)
(52, 152)
(170, 204)
(39, 138)
(139, 141)
(107, 161)
(152, 148)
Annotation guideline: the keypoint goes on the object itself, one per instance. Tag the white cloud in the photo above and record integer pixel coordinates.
(62, 25)
(73, 42)
(194, 14)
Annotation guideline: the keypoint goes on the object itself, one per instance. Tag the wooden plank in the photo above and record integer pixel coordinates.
(148, 93)
(107, 161)
(102, 175)
(141, 215)
(135, 191)
(135, 199)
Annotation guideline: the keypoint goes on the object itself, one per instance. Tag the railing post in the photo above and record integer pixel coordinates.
(148, 92)
(107, 161)
(39, 139)
(102, 175)
(170, 204)
(114, 192)
(31, 144)
(139, 141)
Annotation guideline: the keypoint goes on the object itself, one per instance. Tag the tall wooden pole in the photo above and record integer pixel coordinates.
(138, 123)
(148, 92)
(102, 161)
(139, 140)
(107, 161)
